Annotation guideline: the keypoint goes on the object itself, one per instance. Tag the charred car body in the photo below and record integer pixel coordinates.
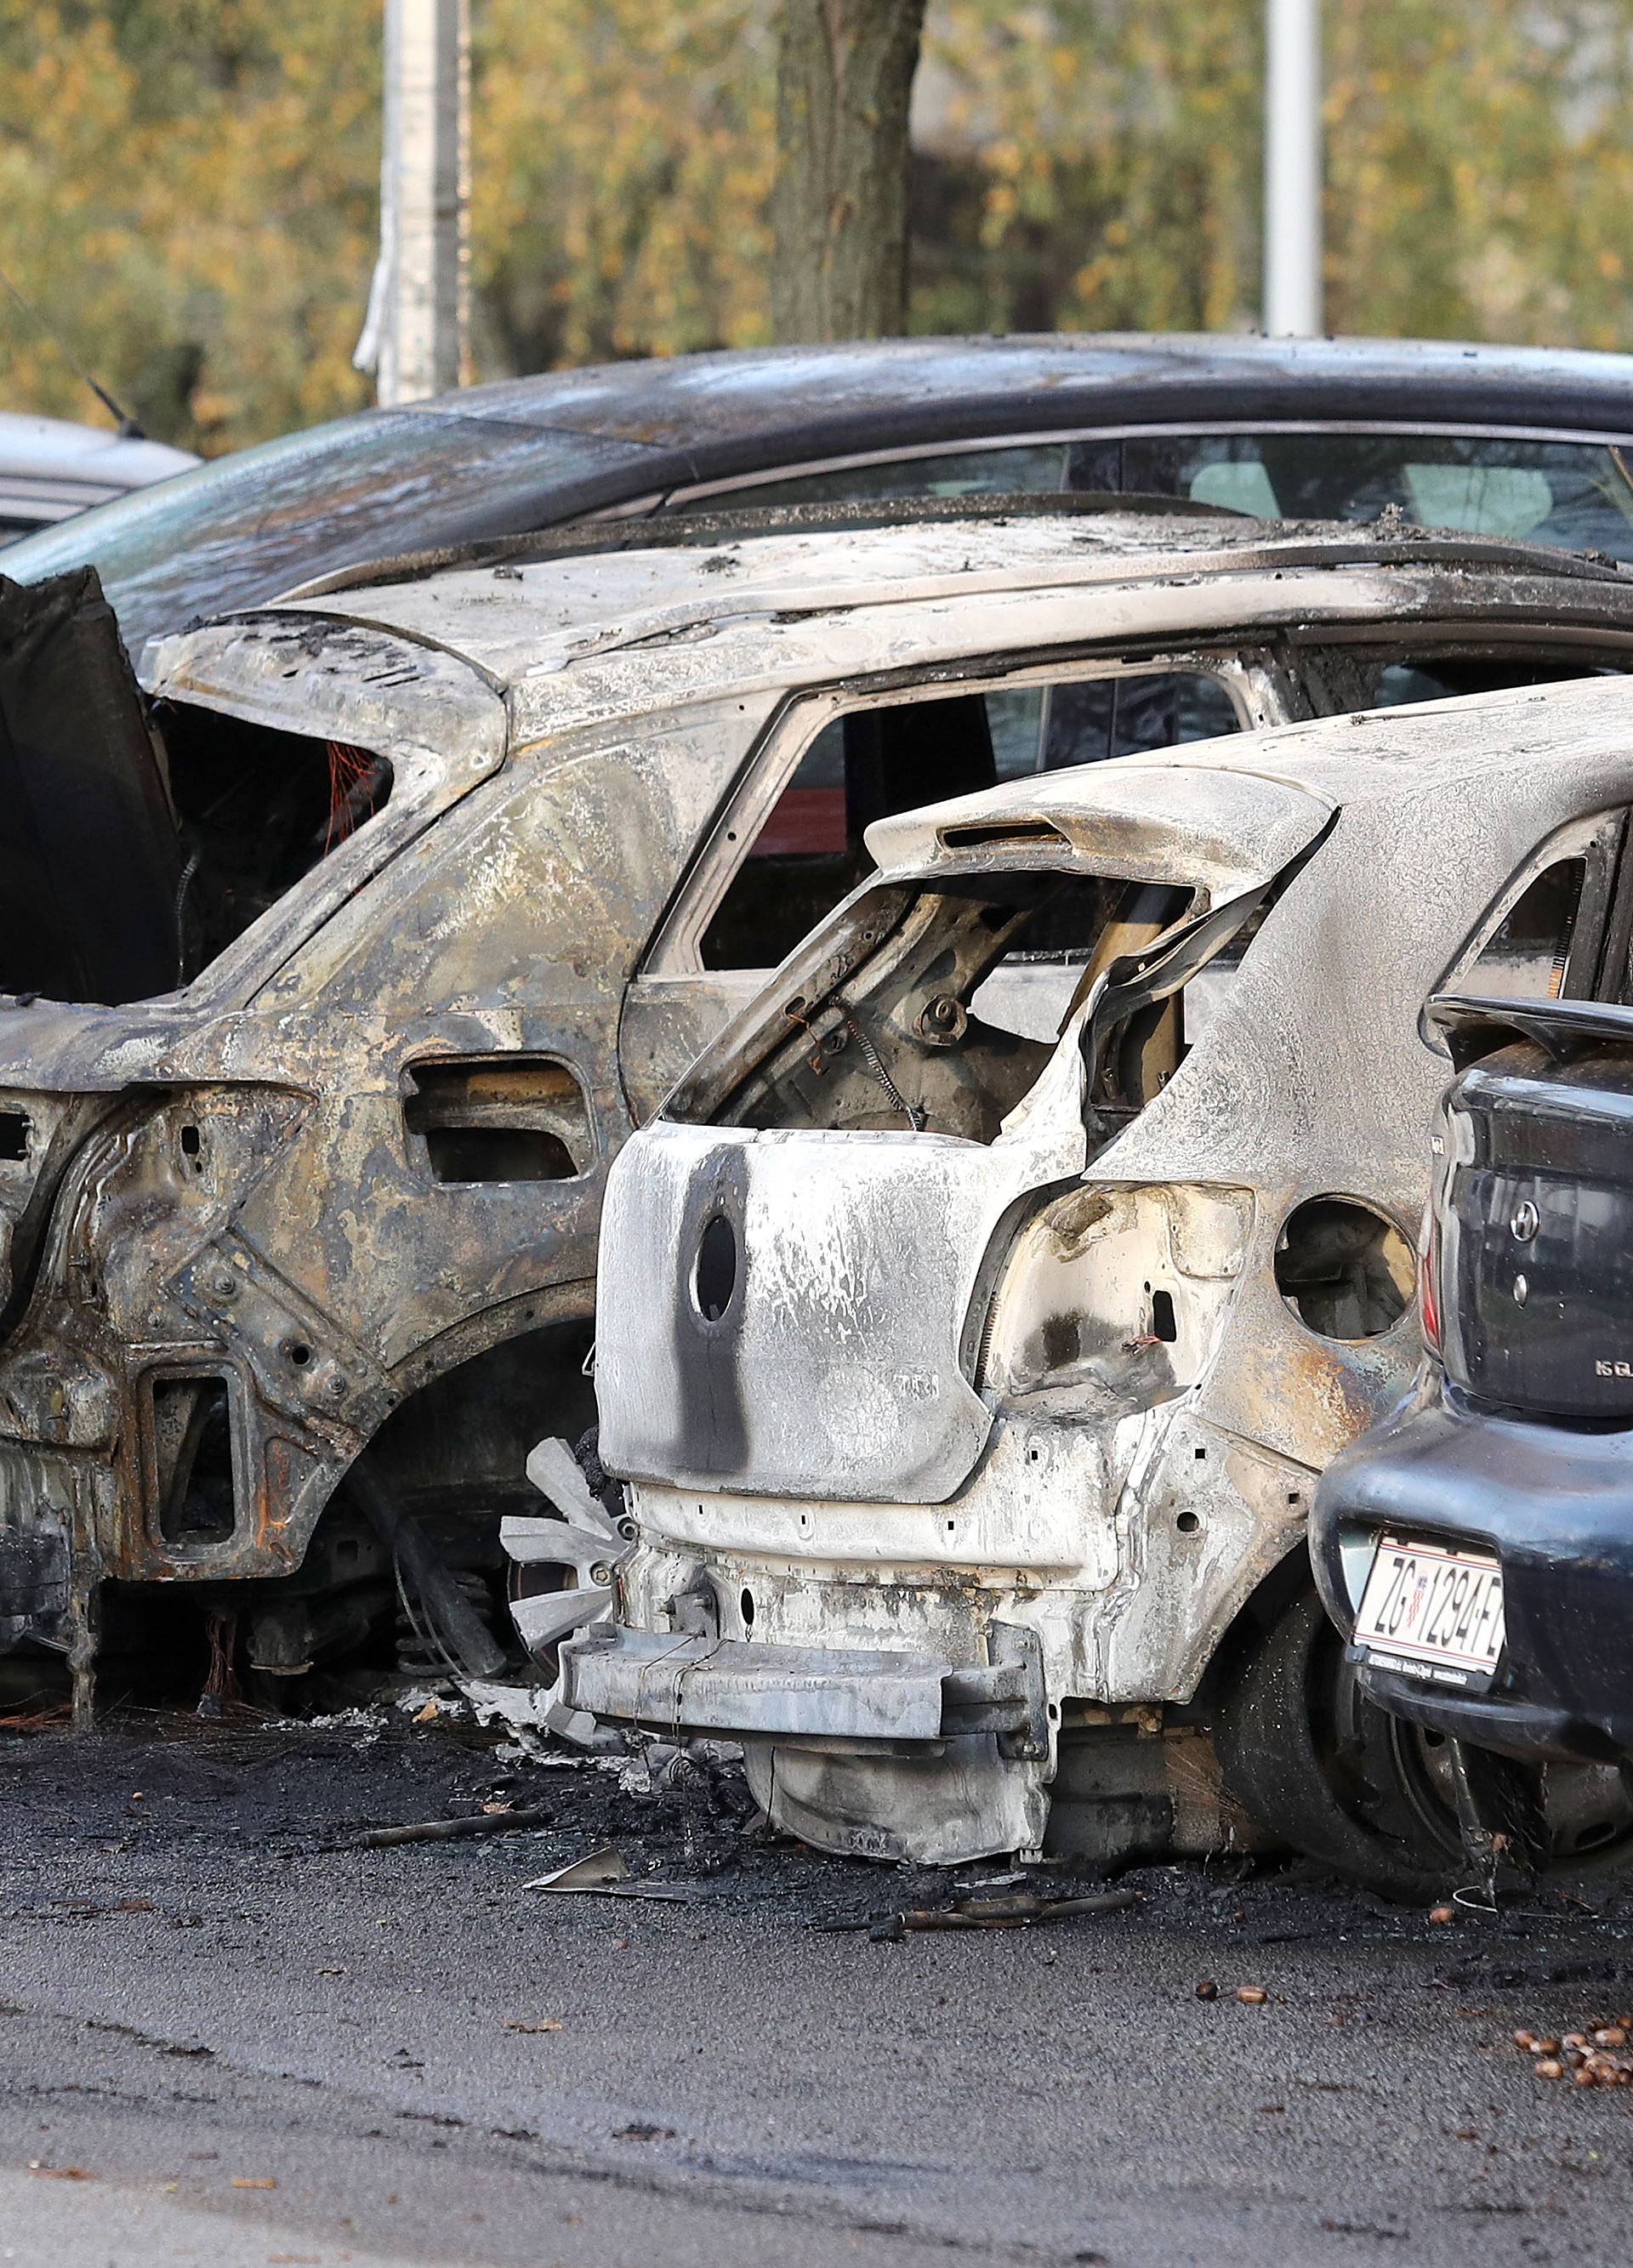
(979, 1313)
(333, 982)
(1477, 1549)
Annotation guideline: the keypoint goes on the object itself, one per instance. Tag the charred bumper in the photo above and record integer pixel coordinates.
(1554, 1503)
(660, 1681)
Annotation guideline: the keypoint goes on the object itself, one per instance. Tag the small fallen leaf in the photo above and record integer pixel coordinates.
(1207, 1990)
(427, 1715)
(1251, 1996)
(547, 2024)
(252, 2182)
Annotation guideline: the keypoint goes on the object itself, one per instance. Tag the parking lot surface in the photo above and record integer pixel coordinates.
(229, 2034)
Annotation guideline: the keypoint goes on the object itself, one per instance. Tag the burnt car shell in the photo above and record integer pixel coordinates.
(979, 1431)
(262, 1182)
(1518, 1441)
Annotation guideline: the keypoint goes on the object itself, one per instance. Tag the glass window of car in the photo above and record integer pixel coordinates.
(1399, 684)
(809, 852)
(1029, 469)
(1577, 494)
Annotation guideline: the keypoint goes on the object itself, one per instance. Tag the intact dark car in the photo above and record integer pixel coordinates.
(1476, 1549)
(1502, 441)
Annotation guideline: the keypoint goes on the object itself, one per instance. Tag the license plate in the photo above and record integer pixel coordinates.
(1432, 1612)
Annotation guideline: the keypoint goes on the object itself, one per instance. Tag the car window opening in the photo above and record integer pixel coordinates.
(1526, 956)
(1576, 494)
(808, 853)
(142, 840)
(256, 809)
(949, 1024)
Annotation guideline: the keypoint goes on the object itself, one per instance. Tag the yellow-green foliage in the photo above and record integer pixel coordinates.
(189, 187)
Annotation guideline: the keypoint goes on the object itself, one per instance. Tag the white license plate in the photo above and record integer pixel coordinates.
(1432, 1612)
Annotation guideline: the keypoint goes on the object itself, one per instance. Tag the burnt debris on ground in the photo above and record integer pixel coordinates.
(430, 1800)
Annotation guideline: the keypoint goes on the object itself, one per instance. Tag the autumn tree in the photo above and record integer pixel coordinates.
(187, 187)
(845, 71)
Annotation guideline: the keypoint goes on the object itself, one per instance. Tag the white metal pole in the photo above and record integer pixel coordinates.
(415, 332)
(1293, 167)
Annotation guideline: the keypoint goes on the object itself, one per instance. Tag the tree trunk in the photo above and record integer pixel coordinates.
(844, 73)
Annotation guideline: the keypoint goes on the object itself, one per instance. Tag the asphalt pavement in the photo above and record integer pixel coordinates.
(228, 2036)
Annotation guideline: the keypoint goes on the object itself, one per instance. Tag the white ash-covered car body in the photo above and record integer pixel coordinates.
(970, 1382)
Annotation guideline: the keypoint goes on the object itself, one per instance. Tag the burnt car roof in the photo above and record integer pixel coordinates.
(597, 633)
(538, 451)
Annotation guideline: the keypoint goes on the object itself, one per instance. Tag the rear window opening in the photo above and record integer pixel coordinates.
(256, 809)
(139, 843)
(951, 1018)
(1541, 939)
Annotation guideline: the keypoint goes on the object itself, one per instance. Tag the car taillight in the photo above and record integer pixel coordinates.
(1428, 1282)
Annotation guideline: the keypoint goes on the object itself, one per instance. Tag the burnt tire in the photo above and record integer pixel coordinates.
(1318, 1765)
(1315, 1764)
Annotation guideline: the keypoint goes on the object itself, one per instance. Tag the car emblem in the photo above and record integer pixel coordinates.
(1526, 1223)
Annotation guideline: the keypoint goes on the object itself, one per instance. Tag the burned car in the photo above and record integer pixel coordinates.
(978, 1314)
(1476, 1549)
(331, 981)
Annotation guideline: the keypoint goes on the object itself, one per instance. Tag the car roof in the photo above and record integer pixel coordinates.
(641, 627)
(731, 402)
(537, 451)
(44, 447)
(525, 618)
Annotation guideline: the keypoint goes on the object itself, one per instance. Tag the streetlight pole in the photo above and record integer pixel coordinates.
(414, 332)
(1293, 167)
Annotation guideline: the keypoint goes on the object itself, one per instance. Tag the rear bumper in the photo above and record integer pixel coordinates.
(1554, 1503)
(677, 1684)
